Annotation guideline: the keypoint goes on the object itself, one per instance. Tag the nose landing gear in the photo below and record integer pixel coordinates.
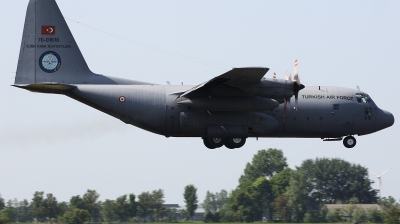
(349, 142)
(230, 143)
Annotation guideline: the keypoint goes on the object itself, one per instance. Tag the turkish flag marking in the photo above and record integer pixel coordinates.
(48, 30)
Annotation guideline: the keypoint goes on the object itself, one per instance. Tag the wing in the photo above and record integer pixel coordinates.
(236, 77)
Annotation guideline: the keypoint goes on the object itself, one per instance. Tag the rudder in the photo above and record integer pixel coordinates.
(49, 53)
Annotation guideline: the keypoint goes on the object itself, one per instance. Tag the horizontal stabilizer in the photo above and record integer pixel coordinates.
(46, 87)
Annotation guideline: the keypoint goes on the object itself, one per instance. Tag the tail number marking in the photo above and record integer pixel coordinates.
(48, 40)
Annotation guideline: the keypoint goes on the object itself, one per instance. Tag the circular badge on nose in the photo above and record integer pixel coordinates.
(50, 61)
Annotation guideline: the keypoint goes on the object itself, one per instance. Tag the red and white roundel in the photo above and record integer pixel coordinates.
(122, 99)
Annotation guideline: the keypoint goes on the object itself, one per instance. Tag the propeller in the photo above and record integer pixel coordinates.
(297, 86)
(288, 77)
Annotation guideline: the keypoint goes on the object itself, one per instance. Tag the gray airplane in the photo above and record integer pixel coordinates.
(225, 110)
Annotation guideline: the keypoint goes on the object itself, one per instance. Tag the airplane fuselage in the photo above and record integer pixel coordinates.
(322, 112)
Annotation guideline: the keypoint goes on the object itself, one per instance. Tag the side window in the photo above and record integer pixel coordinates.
(336, 106)
(368, 111)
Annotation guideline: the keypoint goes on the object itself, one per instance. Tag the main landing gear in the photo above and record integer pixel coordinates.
(349, 142)
(230, 143)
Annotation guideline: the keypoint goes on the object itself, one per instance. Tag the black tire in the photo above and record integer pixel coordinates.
(349, 142)
(215, 142)
(228, 144)
(233, 143)
(205, 141)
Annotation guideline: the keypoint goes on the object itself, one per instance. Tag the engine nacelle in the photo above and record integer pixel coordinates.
(271, 88)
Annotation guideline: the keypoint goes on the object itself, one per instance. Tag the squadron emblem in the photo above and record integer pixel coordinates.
(50, 62)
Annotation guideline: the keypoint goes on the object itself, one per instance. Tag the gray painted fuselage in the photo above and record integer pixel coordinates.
(323, 112)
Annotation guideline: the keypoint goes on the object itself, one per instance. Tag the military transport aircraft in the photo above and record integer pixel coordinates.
(225, 110)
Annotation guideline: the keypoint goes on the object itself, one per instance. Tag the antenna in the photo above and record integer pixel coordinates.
(168, 83)
(379, 178)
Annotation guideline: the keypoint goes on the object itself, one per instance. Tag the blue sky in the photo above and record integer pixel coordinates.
(51, 143)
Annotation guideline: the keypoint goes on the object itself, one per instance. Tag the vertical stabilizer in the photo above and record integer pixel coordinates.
(49, 52)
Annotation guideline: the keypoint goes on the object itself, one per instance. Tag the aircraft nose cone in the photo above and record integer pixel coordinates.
(385, 119)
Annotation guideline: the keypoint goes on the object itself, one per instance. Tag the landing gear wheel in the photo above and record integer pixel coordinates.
(232, 143)
(228, 144)
(205, 141)
(349, 142)
(215, 142)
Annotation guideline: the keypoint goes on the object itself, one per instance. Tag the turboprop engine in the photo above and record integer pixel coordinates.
(274, 88)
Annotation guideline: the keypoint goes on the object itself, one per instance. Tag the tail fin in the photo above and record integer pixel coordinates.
(49, 52)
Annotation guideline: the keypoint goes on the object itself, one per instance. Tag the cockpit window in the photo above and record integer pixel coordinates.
(363, 98)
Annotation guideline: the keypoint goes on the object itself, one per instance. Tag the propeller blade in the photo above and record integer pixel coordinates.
(284, 113)
(287, 75)
(296, 77)
(297, 86)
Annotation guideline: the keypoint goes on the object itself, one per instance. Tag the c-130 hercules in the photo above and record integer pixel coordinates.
(225, 110)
